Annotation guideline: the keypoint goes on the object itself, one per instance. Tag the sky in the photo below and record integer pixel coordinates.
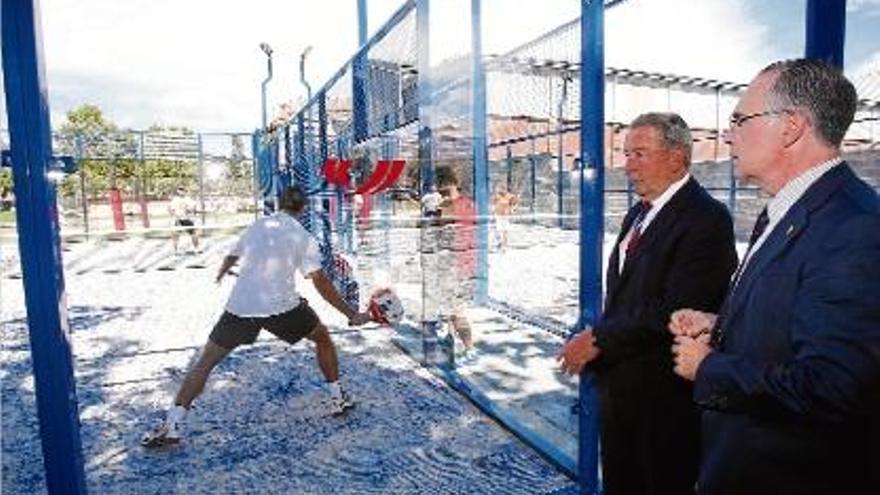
(196, 63)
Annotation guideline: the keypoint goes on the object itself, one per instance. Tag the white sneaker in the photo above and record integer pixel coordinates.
(164, 435)
(339, 405)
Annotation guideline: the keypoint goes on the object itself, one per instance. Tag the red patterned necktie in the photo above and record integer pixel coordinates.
(636, 234)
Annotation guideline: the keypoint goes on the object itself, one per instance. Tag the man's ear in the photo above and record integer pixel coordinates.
(796, 126)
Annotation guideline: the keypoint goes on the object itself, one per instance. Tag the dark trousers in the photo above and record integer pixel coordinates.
(649, 441)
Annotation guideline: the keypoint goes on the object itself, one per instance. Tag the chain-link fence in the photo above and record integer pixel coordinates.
(127, 180)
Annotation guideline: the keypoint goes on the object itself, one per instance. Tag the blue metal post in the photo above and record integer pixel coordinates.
(509, 162)
(390, 151)
(826, 30)
(262, 176)
(359, 96)
(560, 150)
(344, 218)
(426, 161)
(323, 150)
(27, 104)
(362, 22)
(533, 191)
(301, 172)
(481, 165)
(286, 174)
(592, 224)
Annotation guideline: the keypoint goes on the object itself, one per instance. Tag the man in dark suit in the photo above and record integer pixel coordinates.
(790, 380)
(675, 247)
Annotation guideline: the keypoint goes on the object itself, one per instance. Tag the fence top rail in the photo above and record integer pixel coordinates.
(394, 20)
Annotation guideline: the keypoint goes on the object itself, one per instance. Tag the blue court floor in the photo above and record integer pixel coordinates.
(260, 426)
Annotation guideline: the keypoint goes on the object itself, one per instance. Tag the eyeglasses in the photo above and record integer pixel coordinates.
(737, 120)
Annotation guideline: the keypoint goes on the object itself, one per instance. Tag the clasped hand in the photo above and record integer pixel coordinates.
(690, 347)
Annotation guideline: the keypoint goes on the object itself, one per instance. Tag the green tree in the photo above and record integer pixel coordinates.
(104, 152)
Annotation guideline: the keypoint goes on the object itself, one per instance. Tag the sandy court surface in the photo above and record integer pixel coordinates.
(260, 427)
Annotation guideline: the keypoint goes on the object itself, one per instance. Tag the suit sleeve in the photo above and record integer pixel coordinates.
(834, 368)
(696, 274)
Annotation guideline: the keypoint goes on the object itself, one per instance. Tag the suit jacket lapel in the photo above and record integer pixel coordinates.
(787, 231)
(661, 224)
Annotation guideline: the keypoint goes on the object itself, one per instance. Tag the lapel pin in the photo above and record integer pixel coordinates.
(789, 231)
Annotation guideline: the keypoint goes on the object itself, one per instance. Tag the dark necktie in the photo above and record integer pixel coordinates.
(636, 234)
(760, 226)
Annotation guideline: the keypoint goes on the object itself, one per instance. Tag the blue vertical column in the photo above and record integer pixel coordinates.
(323, 154)
(426, 162)
(344, 214)
(362, 22)
(826, 30)
(508, 182)
(284, 174)
(301, 172)
(480, 154)
(560, 150)
(30, 139)
(359, 96)
(592, 185)
(533, 190)
(323, 148)
(390, 151)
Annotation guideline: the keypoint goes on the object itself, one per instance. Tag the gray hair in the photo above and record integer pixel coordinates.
(674, 131)
(817, 88)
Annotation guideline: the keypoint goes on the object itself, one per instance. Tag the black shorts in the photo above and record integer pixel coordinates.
(185, 222)
(232, 331)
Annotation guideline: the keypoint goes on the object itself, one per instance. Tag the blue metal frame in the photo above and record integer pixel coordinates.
(359, 97)
(362, 22)
(301, 172)
(426, 154)
(27, 104)
(480, 155)
(560, 183)
(591, 224)
(533, 190)
(381, 33)
(508, 181)
(826, 30)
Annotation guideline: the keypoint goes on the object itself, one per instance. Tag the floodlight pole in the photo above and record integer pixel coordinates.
(302, 73)
(264, 86)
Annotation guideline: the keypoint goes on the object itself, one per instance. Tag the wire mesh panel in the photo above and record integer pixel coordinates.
(125, 179)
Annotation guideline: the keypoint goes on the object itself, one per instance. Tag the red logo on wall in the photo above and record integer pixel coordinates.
(385, 175)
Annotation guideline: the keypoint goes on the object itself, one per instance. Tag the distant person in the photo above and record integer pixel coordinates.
(7, 199)
(265, 296)
(456, 252)
(430, 203)
(787, 374)
(182, 208)
(504, 204)
(676, 244)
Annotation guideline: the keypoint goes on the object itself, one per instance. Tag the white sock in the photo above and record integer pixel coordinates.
(175, 416)
(335, 389)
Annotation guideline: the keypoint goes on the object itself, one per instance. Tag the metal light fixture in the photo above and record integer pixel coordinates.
(268, 51)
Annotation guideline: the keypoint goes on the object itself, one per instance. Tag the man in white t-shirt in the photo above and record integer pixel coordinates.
(181, 208)
(272, 249)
